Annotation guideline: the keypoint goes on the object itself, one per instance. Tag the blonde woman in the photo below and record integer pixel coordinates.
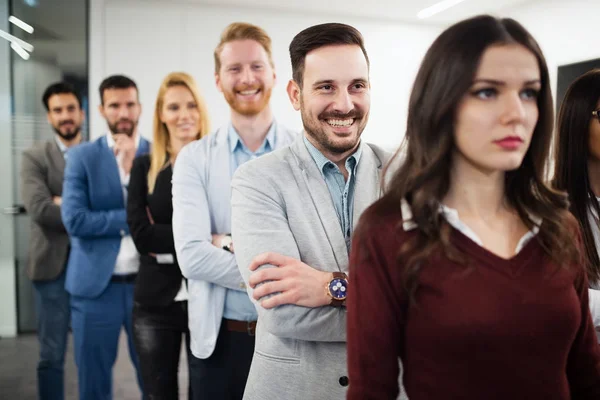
(160, 297)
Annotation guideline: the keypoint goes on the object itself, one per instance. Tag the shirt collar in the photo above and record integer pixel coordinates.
(61, 145)
(451, 214)
(111, 142)
(235, 141)
(323, 161)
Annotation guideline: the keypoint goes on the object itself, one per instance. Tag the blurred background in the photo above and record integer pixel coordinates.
(83, 41)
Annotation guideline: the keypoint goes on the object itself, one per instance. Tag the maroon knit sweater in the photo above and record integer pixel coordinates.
(497, 330)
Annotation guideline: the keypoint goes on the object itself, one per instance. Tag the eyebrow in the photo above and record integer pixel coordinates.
(496, 82)
(239, 64)
(331, 81)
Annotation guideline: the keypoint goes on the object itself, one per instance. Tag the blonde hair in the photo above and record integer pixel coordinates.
(243, 31)
(161, 142)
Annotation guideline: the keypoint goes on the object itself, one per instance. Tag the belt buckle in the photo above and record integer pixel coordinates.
(251, 328)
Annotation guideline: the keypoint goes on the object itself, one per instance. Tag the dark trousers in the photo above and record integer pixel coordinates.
(96, 325)
(223, 375)
(157, 336)
(54, 316)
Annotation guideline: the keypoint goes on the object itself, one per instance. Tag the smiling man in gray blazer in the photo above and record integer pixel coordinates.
(293, 213)
(42, 172)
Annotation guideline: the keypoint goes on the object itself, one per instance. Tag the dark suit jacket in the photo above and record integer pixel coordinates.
(42, 169)
(93, 211)
(156, 284)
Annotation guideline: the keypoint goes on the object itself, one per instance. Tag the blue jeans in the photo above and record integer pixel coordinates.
(53, 309)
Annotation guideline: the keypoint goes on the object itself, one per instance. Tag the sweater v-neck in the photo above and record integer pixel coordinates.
(512, 266)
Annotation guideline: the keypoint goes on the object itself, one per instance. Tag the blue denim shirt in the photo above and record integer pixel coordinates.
(237, 304)
(342, 192)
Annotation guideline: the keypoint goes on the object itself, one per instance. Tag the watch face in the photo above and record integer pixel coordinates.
(337, 288)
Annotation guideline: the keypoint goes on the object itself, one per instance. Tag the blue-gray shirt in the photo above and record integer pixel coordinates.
(342, 192)
(237, 304)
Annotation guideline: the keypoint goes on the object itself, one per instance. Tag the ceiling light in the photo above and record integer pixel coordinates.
(25, 26)
(14, 39)
(20, 51)
(437, 8)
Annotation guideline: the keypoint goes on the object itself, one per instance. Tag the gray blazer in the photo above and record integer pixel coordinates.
(281, 203)
(42, 169)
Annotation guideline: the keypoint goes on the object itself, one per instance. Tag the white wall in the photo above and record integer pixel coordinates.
(146, 40)
(566, 31)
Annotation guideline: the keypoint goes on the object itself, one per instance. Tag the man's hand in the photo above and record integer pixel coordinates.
(292, 282)
(57, 200)
(125, 148)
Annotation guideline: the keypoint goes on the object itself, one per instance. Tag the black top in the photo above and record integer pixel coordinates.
(156, 284)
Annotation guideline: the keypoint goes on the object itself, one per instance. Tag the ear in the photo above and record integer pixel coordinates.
(82, 115)
(101, 109)
(218, 83)
(294, 92)
(48, 118)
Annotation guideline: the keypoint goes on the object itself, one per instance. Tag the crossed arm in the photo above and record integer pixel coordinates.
(290, 295)
(38, 199)
(198, 258)
(79, 219)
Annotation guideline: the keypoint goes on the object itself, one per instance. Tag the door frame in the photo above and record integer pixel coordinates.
(8, 298)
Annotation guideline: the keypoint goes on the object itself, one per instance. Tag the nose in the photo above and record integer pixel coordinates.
(184, 113)
(343, 102)
(247, 76)
(123, 112)
(514, 109)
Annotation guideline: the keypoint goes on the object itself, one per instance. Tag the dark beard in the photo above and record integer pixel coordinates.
(313, 129)
(115, 130)
(69, 135)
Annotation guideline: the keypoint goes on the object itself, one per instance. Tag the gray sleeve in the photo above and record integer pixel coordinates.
(37, 196)
(259, 224)
(198, 258)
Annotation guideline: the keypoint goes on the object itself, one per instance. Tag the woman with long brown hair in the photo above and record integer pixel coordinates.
(468, 269)
(160, 316)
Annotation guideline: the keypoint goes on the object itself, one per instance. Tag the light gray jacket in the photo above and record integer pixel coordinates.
(281, 203)
(201, 195)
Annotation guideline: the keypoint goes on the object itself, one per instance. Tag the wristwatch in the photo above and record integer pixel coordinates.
(337, 289)
(226, 242)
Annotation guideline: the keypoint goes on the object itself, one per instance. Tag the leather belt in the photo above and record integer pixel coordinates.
(248, 327)
(126, 278)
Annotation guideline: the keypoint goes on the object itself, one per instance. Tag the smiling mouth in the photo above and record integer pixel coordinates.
(185, 126)
(340, 123)
(248, 92)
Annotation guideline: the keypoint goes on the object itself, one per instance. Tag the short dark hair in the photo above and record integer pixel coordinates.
(116, 82)
(317, 36)
(59, 88)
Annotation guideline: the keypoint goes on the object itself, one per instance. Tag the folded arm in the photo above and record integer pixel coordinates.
(79, 219)
(198, 258)
(37, 196)
(149, 237)
(260, 225)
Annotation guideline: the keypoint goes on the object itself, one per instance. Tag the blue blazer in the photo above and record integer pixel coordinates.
(93, 212)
